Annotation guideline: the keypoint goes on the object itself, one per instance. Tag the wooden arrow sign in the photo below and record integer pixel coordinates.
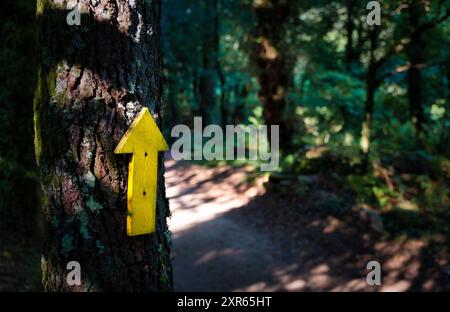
(143, 140)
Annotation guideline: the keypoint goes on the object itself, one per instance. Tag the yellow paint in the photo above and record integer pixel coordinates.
(144, 140)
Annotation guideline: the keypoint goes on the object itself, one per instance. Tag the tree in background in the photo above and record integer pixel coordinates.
(353, 25)
(18, 178)
(419, 22)
(274, 61)
(385, 45)
(210, 54)
(207, 62)
(92, 80)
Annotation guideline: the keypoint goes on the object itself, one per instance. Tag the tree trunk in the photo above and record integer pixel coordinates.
(220, 74)
(371, 86)
(415, 53)
(367, 123)
(223, 107)
(196, 93)
(93, 80)
(273, 66)
(172, 101)
(349, 28)
(209, 52)
(240, 95)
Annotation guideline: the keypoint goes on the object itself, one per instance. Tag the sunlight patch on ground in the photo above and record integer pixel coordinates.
(200, 197)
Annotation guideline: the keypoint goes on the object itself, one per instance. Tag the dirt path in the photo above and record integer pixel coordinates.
(212, 252)
(229, 236)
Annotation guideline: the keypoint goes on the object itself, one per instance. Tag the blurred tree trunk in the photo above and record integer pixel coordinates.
(240, 95)
(172, 89)
(355, 37)
(92, 80)
(209, 54)
(196, 93)
(371, 86)
(368, 116)
(223, 104)
(415, 53)
(350, 53)
(447, 79)
(220, 74)
(416, 56)
(273, 63)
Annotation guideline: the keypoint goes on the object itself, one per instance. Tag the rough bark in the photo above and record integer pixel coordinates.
(93, 79)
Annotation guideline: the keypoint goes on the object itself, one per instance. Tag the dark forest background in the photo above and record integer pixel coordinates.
(365, 106)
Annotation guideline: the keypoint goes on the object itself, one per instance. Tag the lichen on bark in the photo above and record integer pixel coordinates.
(92, 80)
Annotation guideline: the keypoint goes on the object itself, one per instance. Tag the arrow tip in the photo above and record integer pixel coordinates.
(143, 131)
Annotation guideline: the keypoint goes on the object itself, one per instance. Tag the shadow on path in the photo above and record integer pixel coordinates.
(229, 236)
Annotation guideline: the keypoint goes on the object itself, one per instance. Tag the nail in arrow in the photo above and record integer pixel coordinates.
(143, 140)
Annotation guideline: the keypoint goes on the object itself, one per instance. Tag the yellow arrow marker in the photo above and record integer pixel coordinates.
(144, 140)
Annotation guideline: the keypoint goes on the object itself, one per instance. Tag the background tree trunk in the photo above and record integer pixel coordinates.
(350, 54)
(416, 59)
(210, 54)
(273, 66)
(92, 80)
(220, 73)
(371, 86)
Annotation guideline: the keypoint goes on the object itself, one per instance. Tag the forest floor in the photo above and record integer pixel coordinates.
(232, 234)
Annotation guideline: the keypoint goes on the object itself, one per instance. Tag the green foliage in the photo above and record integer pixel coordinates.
(185, 24)
(362, 186)
(434, 196)
(326, 99)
